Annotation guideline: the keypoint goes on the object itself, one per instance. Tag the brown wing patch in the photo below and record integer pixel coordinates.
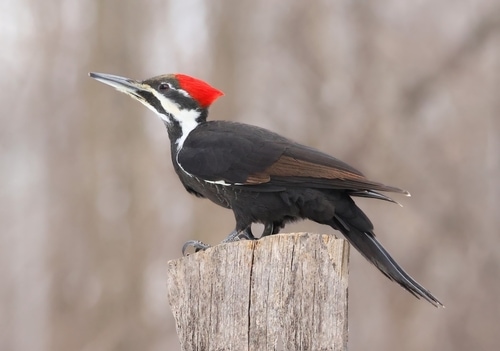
(287, 166)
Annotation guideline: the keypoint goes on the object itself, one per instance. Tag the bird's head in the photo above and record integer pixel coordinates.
(177, 98)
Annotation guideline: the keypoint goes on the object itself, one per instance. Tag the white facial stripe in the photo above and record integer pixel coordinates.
(183, 92)
(167, 104)
(142, 101)
(186, 118)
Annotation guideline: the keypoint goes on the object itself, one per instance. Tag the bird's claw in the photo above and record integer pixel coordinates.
(196, 244)
(235, 235)
(245, 234)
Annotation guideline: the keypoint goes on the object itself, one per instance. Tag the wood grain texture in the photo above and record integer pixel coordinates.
(288, 289)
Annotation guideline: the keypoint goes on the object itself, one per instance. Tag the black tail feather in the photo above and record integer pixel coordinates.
(373, 251)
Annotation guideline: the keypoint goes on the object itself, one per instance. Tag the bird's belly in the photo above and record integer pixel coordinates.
(265, 207)
(252, 206)
(285, 206)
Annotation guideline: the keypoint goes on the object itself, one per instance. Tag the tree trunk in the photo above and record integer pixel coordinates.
(288, 289)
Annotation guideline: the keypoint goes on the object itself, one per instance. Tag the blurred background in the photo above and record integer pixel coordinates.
(91, 209)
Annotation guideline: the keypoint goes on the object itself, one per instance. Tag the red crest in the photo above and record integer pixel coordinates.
(202, 92)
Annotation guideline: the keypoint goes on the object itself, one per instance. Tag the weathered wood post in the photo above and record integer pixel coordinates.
(249, 294)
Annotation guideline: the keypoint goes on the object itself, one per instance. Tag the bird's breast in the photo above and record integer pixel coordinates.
(222, 195)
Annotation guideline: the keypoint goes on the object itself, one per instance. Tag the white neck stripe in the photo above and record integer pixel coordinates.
(187, 119)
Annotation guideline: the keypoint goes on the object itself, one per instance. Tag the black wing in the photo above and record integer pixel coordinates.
(229, 152)
(246, 155)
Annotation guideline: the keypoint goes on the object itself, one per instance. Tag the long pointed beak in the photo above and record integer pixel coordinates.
(125, 85)
(137, 90)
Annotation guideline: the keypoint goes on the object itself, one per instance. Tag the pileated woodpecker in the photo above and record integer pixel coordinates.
(261, 176)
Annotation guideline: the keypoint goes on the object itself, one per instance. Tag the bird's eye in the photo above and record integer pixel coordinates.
(163, 86)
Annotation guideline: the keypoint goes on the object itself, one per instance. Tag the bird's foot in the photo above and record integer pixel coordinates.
(196, 244)
(235, 235)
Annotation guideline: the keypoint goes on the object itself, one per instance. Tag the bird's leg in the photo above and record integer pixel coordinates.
(235, 235)
(247, 234)
(271, 228)
(268, 229)
(239, 234)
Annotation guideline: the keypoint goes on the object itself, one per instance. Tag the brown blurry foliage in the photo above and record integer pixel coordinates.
(90, 207)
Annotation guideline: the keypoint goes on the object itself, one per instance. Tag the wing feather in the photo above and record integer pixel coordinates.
(250, 156)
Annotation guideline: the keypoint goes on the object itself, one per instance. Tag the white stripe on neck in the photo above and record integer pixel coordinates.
(185, 118)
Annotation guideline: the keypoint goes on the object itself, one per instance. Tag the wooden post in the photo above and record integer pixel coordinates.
(253, 295)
